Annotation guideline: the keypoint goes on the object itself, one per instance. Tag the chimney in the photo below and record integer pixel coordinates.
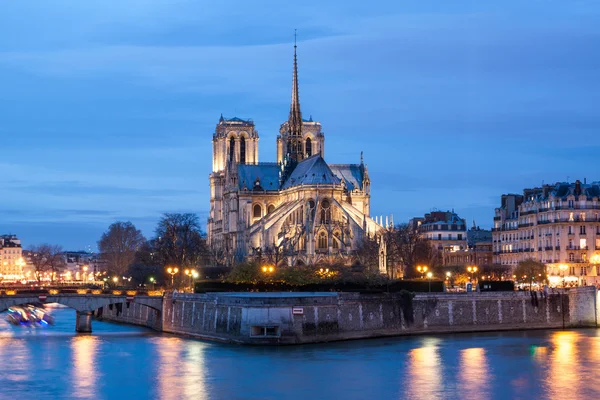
(577, 187)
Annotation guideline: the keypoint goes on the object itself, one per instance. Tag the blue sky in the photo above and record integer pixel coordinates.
(108, 107)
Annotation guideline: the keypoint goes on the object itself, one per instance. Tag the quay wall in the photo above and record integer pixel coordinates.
(293, 318)
(132, 313)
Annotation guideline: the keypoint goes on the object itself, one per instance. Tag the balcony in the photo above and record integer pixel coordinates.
(557, 248)
(525, 225)
(543, 222)
(577, 247)
(547, 248)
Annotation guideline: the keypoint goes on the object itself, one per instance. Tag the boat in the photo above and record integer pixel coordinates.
(29, 315)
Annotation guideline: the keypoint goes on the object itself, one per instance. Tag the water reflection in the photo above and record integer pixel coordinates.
(180, 369)
(424, 375)
(563, 366)
(474, 374)
(85, 375)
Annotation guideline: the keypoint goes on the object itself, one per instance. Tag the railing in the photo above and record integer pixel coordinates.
(577, 247)
(80, 291)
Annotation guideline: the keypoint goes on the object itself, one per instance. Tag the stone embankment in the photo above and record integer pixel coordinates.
(293, 318)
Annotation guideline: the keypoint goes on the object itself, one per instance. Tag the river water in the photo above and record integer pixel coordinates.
(125, 362)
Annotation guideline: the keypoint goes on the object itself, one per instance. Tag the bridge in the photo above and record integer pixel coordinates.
(83, 301)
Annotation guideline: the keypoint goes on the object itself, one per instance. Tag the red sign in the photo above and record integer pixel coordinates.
(42, 297)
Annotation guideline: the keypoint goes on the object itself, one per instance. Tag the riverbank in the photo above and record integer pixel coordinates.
(295, 318)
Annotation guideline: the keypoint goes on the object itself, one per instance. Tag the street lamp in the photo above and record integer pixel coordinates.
(422, 269)
(115, 280)
(152, 281)
(268, 269)
(563, 268)
(172, 271)
(191, 273)
(472, 269)
(429, 275)
(448, 275)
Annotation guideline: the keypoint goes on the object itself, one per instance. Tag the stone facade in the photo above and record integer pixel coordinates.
(11, 258)
(558, 225)
(296, 211)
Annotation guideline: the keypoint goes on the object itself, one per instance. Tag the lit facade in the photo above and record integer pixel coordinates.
(297, 210)
(11, 258)
(445, 231)
(558, 225)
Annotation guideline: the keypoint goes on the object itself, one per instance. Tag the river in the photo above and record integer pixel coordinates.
(126, 362)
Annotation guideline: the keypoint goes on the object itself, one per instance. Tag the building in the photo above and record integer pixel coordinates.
(558, 225)
(11, 258)
(445, 231)
(297, 210)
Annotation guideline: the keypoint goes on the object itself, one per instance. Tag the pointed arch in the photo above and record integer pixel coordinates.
(242, 150)
(308, 147)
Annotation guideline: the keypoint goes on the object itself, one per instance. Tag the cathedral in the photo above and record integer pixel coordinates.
(298, 210)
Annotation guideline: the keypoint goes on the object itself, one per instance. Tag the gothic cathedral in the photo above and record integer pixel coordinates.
(296, 211)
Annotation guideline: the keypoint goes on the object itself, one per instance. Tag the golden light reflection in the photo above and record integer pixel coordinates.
(473, 377)
(181, 369)
(85, 374)
(424, 378)
(563, 377)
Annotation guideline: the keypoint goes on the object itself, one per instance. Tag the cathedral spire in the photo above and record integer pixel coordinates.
(295, 119)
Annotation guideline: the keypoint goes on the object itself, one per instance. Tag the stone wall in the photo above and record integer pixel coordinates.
(288, 318)
(135, 314)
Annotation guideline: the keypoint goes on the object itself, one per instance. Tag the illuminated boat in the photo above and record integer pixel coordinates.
(29, 315)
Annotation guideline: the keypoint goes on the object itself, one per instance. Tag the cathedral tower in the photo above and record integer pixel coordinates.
(298, 138)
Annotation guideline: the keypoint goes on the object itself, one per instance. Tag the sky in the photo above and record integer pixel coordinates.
(107, 108)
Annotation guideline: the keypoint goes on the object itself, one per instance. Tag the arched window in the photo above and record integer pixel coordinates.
(325, 211)
(336, 244)
(270, 209)
(257, 211)
(308, 147)
(242, 150)
(289, 147)
(231, 149)
(322, 240)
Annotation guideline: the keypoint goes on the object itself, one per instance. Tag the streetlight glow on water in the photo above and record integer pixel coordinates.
(121, 361)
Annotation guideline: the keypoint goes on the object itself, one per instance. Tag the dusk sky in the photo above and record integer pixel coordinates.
(108, 107)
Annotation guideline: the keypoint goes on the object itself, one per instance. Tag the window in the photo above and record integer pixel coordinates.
(231, 149)
(265, 331)
(571, 257)
(257, 211)
(325, 211)
(582, 230)
(583, 244)
(336, 244)
(439, 236)
(570, 230)
(308, 147)
(460, 236)
(322, 240)
(242, 150)
(270, 209)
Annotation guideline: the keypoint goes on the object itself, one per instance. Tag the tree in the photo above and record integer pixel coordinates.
(407, 247)
(531, 270)
(367, 253)
(47, 258)
(119, 245)
(179, 241)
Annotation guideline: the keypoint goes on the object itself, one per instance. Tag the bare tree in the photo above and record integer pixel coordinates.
(47, 258)
(119, 245)
(531, 270)
(406, 247)
(367, 253)
(179, 241)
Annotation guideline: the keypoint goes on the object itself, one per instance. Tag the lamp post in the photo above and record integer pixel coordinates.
(422, 269)
(191, 273)
(172, 271)
(115, 280)
(472, 269)
(448, 275)
(152, 281)
(563, 268)
(429, 275)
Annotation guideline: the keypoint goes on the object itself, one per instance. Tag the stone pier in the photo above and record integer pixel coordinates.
(83, 322)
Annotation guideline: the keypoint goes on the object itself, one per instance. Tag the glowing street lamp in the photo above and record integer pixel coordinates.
(422, 269)
(563, 268)
(172, 271)
(472, 269)
(429, 275)
(191, 273)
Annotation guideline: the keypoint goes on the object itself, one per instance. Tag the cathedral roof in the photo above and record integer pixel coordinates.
(266, 173)
(312, 171)
(352, 174)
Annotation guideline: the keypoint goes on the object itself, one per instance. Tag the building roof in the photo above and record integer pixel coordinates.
(266, 173)
(312, 171)
(352, 174)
